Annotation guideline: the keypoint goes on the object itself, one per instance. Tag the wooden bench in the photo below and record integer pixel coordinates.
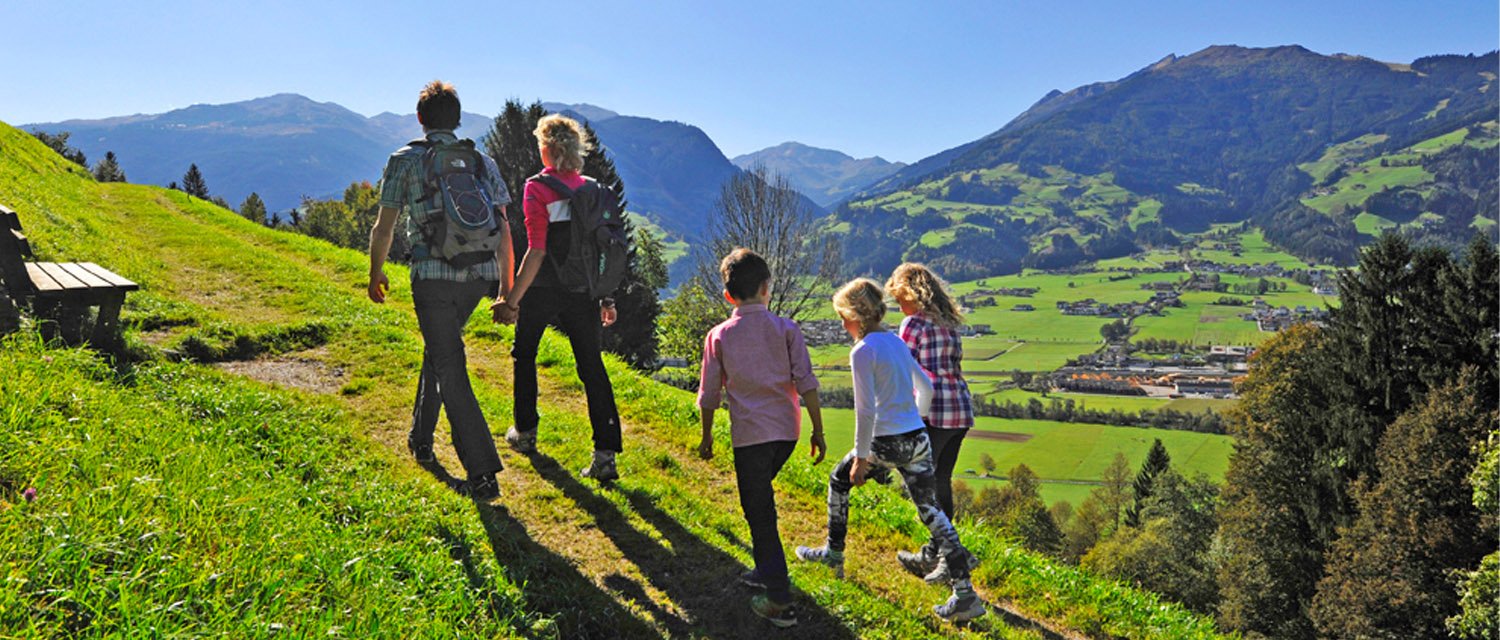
(61, 290)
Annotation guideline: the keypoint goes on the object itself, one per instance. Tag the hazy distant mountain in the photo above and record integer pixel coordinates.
(824, 175)
(287, 146)
(284, 146)
(588, 111)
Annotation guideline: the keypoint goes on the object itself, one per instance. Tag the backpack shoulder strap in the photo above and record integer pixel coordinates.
(551, 181)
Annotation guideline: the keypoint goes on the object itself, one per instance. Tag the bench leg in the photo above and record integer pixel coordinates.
(106, 328)
(48, 314)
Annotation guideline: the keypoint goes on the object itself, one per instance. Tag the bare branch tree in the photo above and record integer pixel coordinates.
(758, 209)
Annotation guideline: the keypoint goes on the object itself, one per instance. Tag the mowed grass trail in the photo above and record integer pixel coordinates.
(654, 555)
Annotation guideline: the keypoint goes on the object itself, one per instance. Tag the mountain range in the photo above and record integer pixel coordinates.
(1224, 135)
(286, 147)
(824, 175)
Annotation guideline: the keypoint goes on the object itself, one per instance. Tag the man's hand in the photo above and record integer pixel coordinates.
(819, 447)
(706, 448)
(858, 471)
(608, 315)
(502, 313)
(379, 285)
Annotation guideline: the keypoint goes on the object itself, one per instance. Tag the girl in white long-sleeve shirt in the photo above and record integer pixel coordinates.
(891, 396)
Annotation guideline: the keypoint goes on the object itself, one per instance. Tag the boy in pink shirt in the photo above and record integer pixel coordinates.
(761, 359)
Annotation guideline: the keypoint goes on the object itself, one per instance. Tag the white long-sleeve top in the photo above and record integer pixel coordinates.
(891, 392)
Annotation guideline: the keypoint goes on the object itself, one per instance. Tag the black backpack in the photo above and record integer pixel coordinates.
(598, 249)
(468, 231)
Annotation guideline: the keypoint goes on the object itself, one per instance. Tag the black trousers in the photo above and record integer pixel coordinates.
(443, 308)
(755, 467)
(945, 446)
(577, 316)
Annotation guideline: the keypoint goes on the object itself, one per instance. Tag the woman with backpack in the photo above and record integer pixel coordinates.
(541, 297)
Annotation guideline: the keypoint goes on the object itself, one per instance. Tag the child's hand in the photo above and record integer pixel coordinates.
(706, 449)
(858, 471)
(819, 448)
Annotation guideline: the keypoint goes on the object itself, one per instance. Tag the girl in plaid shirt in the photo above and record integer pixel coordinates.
(930, 330)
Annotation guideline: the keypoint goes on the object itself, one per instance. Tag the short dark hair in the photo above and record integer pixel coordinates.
(744, 271)
(437, 106)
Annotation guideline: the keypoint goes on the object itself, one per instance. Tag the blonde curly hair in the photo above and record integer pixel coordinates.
(565, 141)
(919, 285)
(862, 301)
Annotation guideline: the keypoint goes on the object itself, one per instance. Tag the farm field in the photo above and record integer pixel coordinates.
(1068, 457)
(1110, 403)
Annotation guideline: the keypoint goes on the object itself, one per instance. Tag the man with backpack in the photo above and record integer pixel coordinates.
(576, 251)
(455, 201)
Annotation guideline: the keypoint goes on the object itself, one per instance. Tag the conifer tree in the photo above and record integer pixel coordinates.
(108, 169)
(1388, 573)
(1157, 461)
(193, 183)
(253, 208)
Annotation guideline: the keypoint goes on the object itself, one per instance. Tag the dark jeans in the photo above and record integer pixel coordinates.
(945, 446)
(911, 454)
(443, 308)
(754, 468)
(577, 316)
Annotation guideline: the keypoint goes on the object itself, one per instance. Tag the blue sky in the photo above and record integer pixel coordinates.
(898, 79)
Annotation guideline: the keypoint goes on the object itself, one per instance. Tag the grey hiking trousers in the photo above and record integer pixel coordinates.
(443, 308)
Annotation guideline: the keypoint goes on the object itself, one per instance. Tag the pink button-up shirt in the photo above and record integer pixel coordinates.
(762, 360)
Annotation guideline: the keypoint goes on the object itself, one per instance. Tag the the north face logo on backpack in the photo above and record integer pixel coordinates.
(467, 232)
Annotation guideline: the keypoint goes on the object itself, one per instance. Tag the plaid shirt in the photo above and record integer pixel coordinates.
(940, 353)
(401, 188)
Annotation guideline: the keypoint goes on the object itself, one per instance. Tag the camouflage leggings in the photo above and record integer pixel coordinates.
(911, 454)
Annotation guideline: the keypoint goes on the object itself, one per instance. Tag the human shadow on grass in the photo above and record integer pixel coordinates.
(550, 583)
(698, 578)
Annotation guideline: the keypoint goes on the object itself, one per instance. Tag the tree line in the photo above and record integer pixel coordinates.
(1361, 499)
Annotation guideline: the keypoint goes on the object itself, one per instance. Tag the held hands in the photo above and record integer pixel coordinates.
(379, 285)
(502, 312)
(858, 471)
(819, 447)
(608, 315)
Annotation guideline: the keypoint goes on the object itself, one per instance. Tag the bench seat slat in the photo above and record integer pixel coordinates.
(109, 276)
(63, 279)
(83, 275)
(40, 279)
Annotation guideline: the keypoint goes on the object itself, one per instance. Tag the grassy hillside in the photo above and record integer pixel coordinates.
(189, 501)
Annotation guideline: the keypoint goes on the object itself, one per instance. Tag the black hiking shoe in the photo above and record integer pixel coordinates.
(483, 489)
(521, 441)
(422, 452)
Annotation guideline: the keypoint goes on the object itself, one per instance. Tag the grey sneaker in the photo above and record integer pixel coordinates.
(958, 609)
(521, 442)
(602, 468)
(940, 573)
(917, 563)
(823, 555)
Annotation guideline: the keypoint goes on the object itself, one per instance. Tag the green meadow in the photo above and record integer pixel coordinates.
(1069, 458)
(216, 497)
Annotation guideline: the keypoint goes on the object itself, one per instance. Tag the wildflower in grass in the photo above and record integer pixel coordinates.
(29, 494)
